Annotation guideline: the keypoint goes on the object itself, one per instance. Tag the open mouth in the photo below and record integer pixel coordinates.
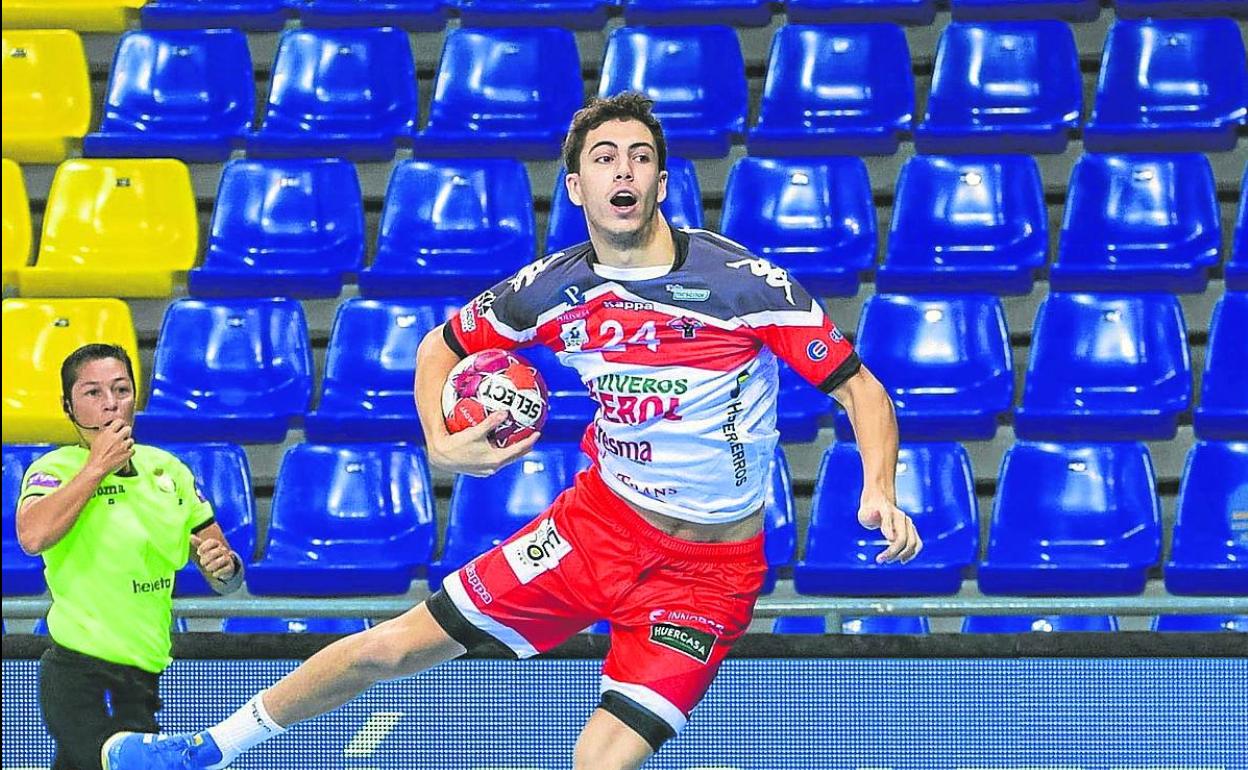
(623, 200)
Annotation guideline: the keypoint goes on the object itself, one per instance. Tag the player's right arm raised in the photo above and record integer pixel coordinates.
(468, 451)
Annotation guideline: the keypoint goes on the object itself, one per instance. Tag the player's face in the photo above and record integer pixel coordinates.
(619, 185)
(102, 392)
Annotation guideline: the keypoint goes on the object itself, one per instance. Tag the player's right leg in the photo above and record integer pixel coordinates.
(396, 648)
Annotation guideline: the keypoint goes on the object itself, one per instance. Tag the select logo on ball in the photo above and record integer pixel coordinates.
(495, 381)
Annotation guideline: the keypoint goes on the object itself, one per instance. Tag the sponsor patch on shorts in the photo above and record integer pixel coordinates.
(687, 641)
(537, 552)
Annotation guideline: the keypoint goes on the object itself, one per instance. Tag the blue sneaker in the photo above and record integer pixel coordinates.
(148, 751)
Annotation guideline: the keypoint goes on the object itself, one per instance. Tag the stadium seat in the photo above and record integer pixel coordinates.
(844, 89)
(367, 391)
(1106, 367)
(38, 335)
(1169, 85)
(1236, 268)
(963, 224)
(17, 236)
(996, 10)
(223, 475)
(348, 520)
(945, 361)
(1015, 624)
(115, 228)
(486, 511)
(254, 15)
(1138, 9)
(294, 625)
(1139, 223)
(569, 14)
(47, 94)
(571, 407)
(813, 217)
(1074, 520)
(80, 15)
(1003, 87)
(411, 15)
(1200, 623)
(452, 227)
(935, 486)
(1223, 410)
(228, 370)
(503, 93)
(682, 208)
(800, 407)
(188, 94)
(919, 12)
(22, 573)
(1209, 553)
(341, 92)
(780, 523)
(179, 626)
(696, 77)
(292, 228)
(872, 624)
(737, 13)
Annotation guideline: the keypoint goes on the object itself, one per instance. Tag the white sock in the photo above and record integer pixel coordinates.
(250, 726)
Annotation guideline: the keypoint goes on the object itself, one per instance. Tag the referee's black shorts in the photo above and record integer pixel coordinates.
(85, 700)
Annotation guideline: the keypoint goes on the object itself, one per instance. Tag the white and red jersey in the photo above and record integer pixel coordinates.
(681, 360)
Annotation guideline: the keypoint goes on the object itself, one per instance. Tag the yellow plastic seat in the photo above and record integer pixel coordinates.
(82, 15)
(38, 335)
(47, 94)
(115, 228)
(16, 222)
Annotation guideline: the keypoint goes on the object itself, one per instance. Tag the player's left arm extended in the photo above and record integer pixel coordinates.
(870, 411)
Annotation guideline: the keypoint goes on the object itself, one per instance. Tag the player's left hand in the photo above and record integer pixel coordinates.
(215, 557)
(904, 543)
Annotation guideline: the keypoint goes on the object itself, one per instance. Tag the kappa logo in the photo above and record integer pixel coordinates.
(477, 308)
(529, 273)
(539, 551)
(574, 336)
(776, 277)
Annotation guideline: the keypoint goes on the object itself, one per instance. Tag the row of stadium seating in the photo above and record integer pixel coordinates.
(1068, 519)
(1164, 85)
(1136, 223)
(1102, 368)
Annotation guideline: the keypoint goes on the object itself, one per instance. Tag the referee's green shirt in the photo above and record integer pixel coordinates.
(111, 576)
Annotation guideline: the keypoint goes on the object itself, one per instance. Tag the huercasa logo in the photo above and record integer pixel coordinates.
(687, 641)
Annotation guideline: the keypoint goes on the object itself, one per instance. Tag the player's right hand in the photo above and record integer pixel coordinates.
(470, 451)
(112, 448)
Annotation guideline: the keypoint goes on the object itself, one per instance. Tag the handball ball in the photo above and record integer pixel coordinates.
(495, 381)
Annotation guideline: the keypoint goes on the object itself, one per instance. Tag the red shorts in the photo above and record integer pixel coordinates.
(675, 606)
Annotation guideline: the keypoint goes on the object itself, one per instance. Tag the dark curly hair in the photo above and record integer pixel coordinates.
(628, 105)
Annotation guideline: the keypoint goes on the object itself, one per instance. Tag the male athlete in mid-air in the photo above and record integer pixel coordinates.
(676, 333)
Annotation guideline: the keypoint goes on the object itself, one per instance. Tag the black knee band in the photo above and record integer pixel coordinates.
(642, 720)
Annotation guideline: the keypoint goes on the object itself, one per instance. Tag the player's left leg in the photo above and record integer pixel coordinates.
(606, 743)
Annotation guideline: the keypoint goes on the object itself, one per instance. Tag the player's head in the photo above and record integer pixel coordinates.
(616, 160)
(97, 385)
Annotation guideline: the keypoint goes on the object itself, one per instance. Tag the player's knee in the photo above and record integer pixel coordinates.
(593, 753)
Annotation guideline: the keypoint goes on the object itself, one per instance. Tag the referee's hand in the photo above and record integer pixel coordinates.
(215, 557)
(112, 447)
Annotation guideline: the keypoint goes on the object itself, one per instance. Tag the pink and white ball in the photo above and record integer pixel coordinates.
(494, 381)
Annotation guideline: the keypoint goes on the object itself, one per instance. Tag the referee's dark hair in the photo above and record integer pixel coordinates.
(84, 355)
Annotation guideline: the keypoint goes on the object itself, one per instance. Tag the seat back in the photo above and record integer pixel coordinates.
(17, 458)
(294, 625)
(1213, 500)
(223, 476)
(81, 15)
(17, 239)
(46, 92)
(1015, 624)
(1224, 385)
(1201, 623)
(780, 514)
(871, 624)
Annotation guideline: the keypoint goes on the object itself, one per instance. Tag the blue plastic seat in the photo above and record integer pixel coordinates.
(995, 10)
(294, 625)
(920, 12)
(682, 208)
(411, 15)
(1106, 367)
(1021, 624)
(503, 93)
(1209, 553)
(339, 92)
(1073, 519)
(228, 370)
(1201, 624)
(22, 573)
(696, 77)
(486, 511)
(738, 13)
(935, 486)
(348, 519)
(1236, 269)
(800, 407)
(813, 217)
(452, 227)
(780, 520)
(1169, 85)
(568, 14)
(188, 94)
(966, 225)
(1138, 9)
(1139, 223)
(571, 407)
(872, 624)
(180, 626)
(291, 228)
(1223, 410)
(945, 361)
(835, 89)
(253, 15)
(223, 475)
(1003, 87)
